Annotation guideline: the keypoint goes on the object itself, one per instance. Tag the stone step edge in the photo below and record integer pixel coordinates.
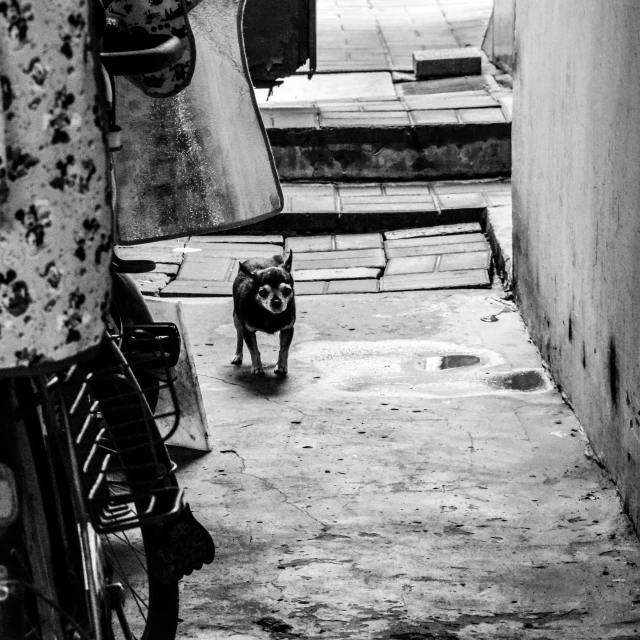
(320, 223)
(394, 154)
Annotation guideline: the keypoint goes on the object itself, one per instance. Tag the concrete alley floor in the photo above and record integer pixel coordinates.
(373, 494)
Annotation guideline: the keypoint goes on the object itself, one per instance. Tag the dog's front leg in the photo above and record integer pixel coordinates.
(286, 336)
(252, 345)
(237, 359)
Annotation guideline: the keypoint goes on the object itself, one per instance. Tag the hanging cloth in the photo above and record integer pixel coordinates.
(55, 218)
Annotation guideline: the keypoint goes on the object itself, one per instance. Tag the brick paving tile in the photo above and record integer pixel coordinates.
(390, 203)
(349, 190)
(354, 286)
(356, 273)
(213, 269)
(308, 244)
(447, 63)
(268, 239)
(434, 241)
(407, 188)
(443, 188)
(435, 116)
(481, 116)
(338, 286)
(308, 189)
(465, 261)
(456, 201)
(310, 288)
(150, 252)
(342, 242)
(358, 241)
(341, 259)
(414, 264)
(425, 103)
(387, 105)
(442, 85)
(368, 99)
(210, 250)
(425, 250)
(220, 251)
(450, 280)
(339, 107)
(440, 230)
(294, 104)
(313, 204)
(290, 119)
(195, 288)
(362, 119)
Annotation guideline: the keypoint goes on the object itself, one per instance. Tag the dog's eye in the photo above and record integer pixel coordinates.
(286, 291)
(263, 293)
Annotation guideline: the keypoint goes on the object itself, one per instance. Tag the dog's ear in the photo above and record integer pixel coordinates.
(247, 269)
(289, 261)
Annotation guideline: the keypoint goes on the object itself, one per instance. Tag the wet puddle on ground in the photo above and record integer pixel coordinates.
(417, 367)
(440, 363)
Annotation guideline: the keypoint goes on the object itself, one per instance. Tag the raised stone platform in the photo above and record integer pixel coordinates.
(441, 136)
(411, 236)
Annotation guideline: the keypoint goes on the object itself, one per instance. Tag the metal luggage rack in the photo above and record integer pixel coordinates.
(126, 470)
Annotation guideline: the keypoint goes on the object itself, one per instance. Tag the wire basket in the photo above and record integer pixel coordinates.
(126, 470)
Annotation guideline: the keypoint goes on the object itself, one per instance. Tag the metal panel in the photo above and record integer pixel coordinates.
(280, 37)
(199, 161)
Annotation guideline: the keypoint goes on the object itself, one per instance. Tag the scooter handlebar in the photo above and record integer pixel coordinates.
(129, 61)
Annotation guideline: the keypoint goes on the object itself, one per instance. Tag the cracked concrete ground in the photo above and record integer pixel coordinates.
(373, 494)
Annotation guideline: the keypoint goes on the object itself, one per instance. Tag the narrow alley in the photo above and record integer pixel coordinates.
(319, 320)
(373, 495)
(418, 474)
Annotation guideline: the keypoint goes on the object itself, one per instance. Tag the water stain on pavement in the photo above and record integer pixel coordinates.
(532, 380)
(417, 368)
(439, 363)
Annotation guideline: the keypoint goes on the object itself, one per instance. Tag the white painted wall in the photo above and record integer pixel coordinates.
(576, 143)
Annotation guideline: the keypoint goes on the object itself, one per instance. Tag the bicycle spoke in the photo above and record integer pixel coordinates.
(138, 600)
(139, 554)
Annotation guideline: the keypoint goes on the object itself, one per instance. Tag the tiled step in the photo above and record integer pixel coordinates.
(352, 273)
(427, 255)
(371, 258)
(366, 207)
(435, 245)
(458, 135)
(370, 285)
(436, 262)
(455, 279)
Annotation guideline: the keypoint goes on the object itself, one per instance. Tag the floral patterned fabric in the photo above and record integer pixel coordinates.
(55, 219)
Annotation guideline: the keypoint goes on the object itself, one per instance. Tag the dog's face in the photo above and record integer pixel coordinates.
(272, 285)
(274, 296)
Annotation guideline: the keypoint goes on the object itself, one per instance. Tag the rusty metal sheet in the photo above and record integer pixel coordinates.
(199, 161)
(55, 220)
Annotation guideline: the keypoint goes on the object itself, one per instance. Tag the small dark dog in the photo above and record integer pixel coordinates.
(264, 300)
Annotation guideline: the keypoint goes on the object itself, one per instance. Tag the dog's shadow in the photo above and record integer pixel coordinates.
(269, 385)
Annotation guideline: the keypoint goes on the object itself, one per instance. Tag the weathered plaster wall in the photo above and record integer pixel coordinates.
(576, 142)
